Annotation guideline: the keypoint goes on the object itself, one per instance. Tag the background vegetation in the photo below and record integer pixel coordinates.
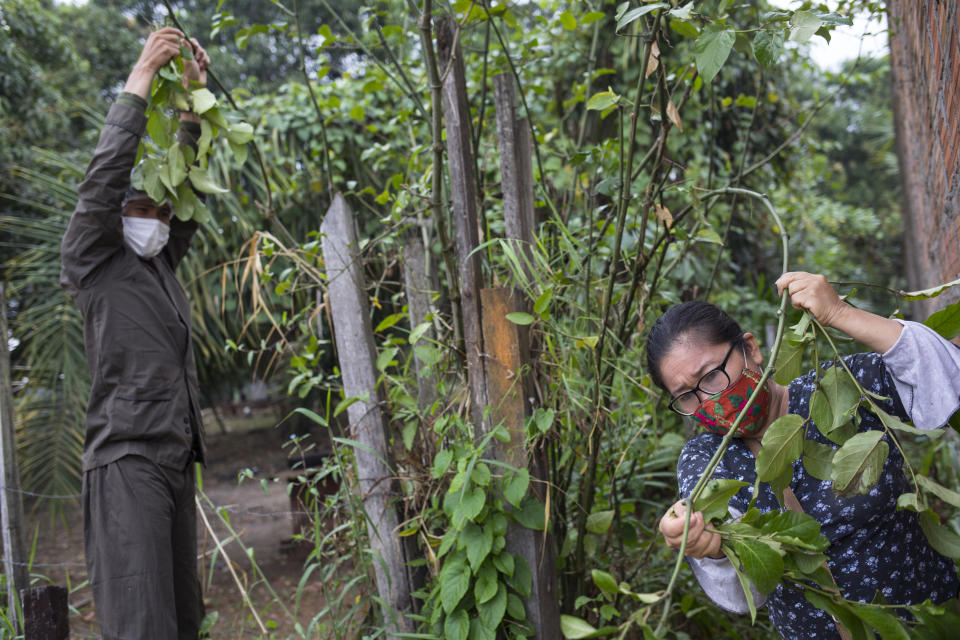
(635, 115)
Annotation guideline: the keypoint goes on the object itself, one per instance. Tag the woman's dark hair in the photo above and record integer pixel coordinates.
(708, 323)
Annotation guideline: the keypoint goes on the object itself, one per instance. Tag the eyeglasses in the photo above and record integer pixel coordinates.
(711, 383)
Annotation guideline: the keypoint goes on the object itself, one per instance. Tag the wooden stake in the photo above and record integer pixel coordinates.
(11, 503)
(357, 355)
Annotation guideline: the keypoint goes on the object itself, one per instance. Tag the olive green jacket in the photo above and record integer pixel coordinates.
(144, 393)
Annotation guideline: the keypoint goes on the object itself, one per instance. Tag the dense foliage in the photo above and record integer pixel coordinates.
(641, 114)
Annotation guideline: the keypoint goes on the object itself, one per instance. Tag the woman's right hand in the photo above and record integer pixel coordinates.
(700, 542)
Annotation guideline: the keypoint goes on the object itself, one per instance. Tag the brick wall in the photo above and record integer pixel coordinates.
(925, 70)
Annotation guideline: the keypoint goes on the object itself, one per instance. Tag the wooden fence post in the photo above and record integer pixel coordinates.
(516, 169)
(11, 503)
(356, 353)
(45, 613)
(508, 383)
(419, 285)
(463, 190)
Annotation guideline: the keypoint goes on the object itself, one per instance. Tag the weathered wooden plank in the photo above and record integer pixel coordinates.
(516, 171)
(463, 190)
(11, 503)
(45, 613)
(510, 398)
(420, 286)
(356, 353)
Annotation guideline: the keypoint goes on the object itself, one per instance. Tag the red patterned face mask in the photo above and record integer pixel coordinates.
(718, 412)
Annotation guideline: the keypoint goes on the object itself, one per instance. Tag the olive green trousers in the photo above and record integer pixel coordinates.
(140, 539)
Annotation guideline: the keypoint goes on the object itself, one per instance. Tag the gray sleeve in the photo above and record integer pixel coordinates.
(926, 371)
(719, 581)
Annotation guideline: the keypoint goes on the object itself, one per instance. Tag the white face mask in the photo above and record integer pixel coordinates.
(146, 236)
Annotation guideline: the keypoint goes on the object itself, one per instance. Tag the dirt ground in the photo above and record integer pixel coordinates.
(262, 519)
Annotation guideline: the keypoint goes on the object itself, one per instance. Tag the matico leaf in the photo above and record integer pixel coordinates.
(798, 529)
(713, 501)
(176, 165)
(201, 181)
(744, 582)
(808, 562)
(842, 612)
(762, 564)
(842, 393)
(605, 582)
(782, 444)
(712, 49)
(203, 100)
(158, 126)
(817, 459)
(893, 422)
(887, 624)
(946, 322)
(947, 495)
(206, 135)
(789, 360)
(858, 463)
(574, 628)
(940, 538)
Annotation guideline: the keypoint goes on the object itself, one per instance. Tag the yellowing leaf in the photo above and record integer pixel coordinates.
(663, 214)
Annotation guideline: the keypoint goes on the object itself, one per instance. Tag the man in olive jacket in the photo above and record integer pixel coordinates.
(143, 431)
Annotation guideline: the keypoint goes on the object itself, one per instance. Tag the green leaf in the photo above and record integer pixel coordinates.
(932, 292)
(768, 47)
(203, 100)
(357, 112)
(842, 611)
(441, 462)
(710, 236)
(712, 49)
(842, 393)
(486, 585)
(817, 459)
(803, 25)
(858, 463)
(515, 486)
(515, 608)
(591, 17)
(762, 564)
(715, 496)
(782, 445)
(385, 358)
(686, 29)
(573, 628)
(602, 101)
(530, 514)
(940, 538)
(808, 562)
(206, 136)
(744, 581)
(893, 422)
(789, 363)
(798, 529)
(946, 322)
(454, 581)
(605, 582)
(568, 21)
(240, 133)
(202, 182)
(471, 504)
(504, 563)
(635, 14)
(477, 541)
(480, 474)
(491, 611)
(947, 495)
(599, 522)
(456, 626)
(158, 126)
(886, 623)
(521, 580)
(518, 317)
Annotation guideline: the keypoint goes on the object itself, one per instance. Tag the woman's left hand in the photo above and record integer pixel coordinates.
(812, 291)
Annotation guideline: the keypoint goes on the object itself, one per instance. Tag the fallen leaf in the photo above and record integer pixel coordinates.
(663, 214)
(653, 62)
(674, 115)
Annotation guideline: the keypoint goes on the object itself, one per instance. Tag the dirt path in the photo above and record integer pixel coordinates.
(262, 520)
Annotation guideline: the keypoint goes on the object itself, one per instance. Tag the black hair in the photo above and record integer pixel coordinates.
(709, 323)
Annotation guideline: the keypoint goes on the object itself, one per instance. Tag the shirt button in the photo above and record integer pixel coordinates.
(185, 420)
(187, 431)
